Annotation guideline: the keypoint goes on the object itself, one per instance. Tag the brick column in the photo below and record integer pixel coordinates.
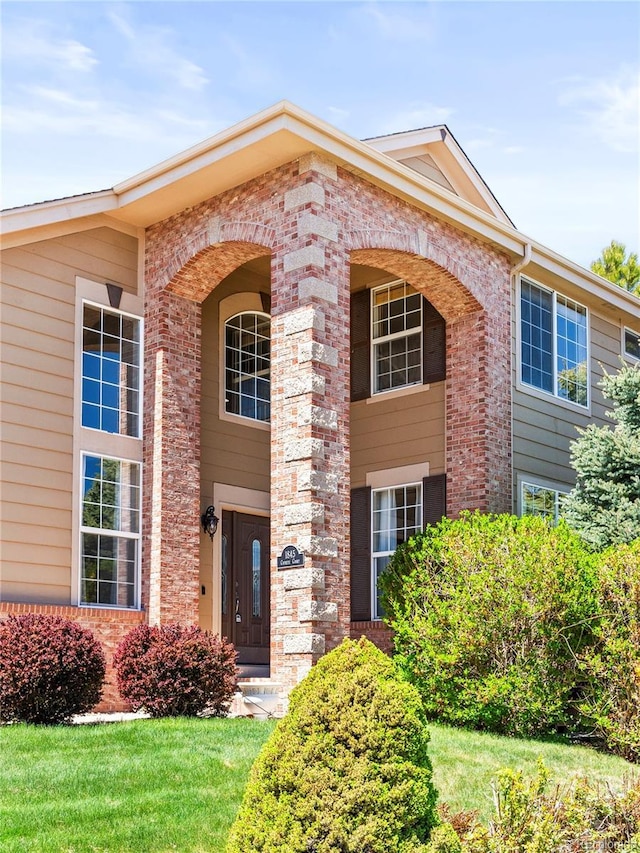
(478, 414)
(309, 429)
(171, 485)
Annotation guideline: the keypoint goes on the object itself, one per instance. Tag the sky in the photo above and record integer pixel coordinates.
(543, 97)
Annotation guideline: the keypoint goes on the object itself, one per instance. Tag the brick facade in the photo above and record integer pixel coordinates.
(314, 219)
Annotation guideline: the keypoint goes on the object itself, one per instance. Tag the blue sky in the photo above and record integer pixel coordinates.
(542, 96)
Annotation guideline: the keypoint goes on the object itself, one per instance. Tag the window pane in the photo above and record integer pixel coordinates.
(397, 355)
(110, 371)
(571, 351)
(256, 576)
(396, 515)
(632, 343)
(110, 508)
(248, 366)
(541, 501)
(536, 311)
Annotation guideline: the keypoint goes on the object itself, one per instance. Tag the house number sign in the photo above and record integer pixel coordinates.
(290, 558)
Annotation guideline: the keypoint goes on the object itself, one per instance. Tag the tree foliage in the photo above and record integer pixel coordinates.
(604, 507)
(615, 265)
(347, 768)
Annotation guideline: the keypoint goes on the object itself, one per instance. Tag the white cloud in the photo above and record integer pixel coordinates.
(416, 116)
(51, 110)
(151, 49)
(34, 43)
(608, 107)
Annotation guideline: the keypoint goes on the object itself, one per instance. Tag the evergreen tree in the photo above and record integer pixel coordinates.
(614, 265)
(604, 507)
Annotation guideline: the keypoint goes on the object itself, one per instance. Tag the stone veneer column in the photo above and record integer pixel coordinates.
(309, 428)
(171, 483)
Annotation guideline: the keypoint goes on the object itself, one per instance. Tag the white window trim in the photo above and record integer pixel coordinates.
(95, 442)
(237, 303)
(540, 483)
(374, 587)
(401, 389)
(532, 390)
(94, 304)
(107, 532)
(627, 355)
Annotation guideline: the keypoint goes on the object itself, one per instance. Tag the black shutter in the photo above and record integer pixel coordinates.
(434, 498)
(434, 344)
(360, 345)
(361, 554)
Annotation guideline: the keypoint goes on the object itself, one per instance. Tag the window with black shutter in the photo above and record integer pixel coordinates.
(397, 340)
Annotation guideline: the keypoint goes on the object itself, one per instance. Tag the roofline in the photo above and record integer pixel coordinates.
(316, 134)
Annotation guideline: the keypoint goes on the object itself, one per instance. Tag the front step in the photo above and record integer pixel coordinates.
(258, 697)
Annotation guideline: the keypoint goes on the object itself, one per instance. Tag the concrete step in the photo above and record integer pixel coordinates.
(258, 697)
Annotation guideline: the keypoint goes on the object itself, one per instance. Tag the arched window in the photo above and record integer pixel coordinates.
(247, 362)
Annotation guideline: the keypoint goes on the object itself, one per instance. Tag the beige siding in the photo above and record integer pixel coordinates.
(544, 429)
(401, 430)
(232, 452)
(37, 363)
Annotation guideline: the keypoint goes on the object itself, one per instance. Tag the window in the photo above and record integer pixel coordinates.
(110, 371)
(554, 344)
(248, 366)
(632, 343)
(542, 501)
(110, 531)
(396, 318)
(396, 516)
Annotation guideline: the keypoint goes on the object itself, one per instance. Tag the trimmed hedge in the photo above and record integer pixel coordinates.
(176, 671)
(346, 769)
(50, 669)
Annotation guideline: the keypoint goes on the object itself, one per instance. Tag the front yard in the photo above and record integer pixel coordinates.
(153, 786)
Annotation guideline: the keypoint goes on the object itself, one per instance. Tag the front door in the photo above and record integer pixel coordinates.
(245, 585)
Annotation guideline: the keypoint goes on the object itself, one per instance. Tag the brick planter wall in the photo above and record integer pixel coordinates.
(108, 626)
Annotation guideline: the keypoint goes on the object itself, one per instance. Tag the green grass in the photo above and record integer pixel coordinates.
(465, 762)
(153, 786)
(147, 786)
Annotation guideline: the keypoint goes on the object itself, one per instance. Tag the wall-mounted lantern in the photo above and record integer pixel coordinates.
(209, 521)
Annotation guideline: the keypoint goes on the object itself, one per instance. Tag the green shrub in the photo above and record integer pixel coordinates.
(532, 816)
(176, 671)
(50, 669)
(612, 704)
(347, 768)
(490, 615)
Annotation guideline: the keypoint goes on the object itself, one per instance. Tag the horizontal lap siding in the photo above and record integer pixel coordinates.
(543, 430)
(403, 430)
(232, 452)
(38, 310)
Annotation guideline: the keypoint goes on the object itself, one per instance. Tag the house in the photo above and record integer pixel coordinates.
(233, 383)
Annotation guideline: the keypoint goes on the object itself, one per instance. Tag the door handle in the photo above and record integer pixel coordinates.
(238, 614)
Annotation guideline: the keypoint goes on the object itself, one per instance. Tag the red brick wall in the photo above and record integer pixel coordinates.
(108, 626)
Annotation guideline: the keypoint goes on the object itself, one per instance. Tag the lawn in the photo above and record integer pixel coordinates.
(153, 786)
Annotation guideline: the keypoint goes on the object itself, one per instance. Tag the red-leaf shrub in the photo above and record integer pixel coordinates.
(50, 669)
(176, 671)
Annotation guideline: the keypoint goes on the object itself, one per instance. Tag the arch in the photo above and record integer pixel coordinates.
(203, 260)
(444, 290)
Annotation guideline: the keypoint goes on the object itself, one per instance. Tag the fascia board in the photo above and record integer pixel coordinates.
(608, 293)
(45, 214)
(25, 236)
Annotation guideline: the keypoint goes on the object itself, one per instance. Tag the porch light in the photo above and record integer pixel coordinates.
(209, 521)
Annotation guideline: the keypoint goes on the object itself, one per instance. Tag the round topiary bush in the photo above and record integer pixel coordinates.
(50, 669)
(346, 769)
(176, 671)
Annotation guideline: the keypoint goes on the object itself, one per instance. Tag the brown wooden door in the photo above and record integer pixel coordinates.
(245, 585)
